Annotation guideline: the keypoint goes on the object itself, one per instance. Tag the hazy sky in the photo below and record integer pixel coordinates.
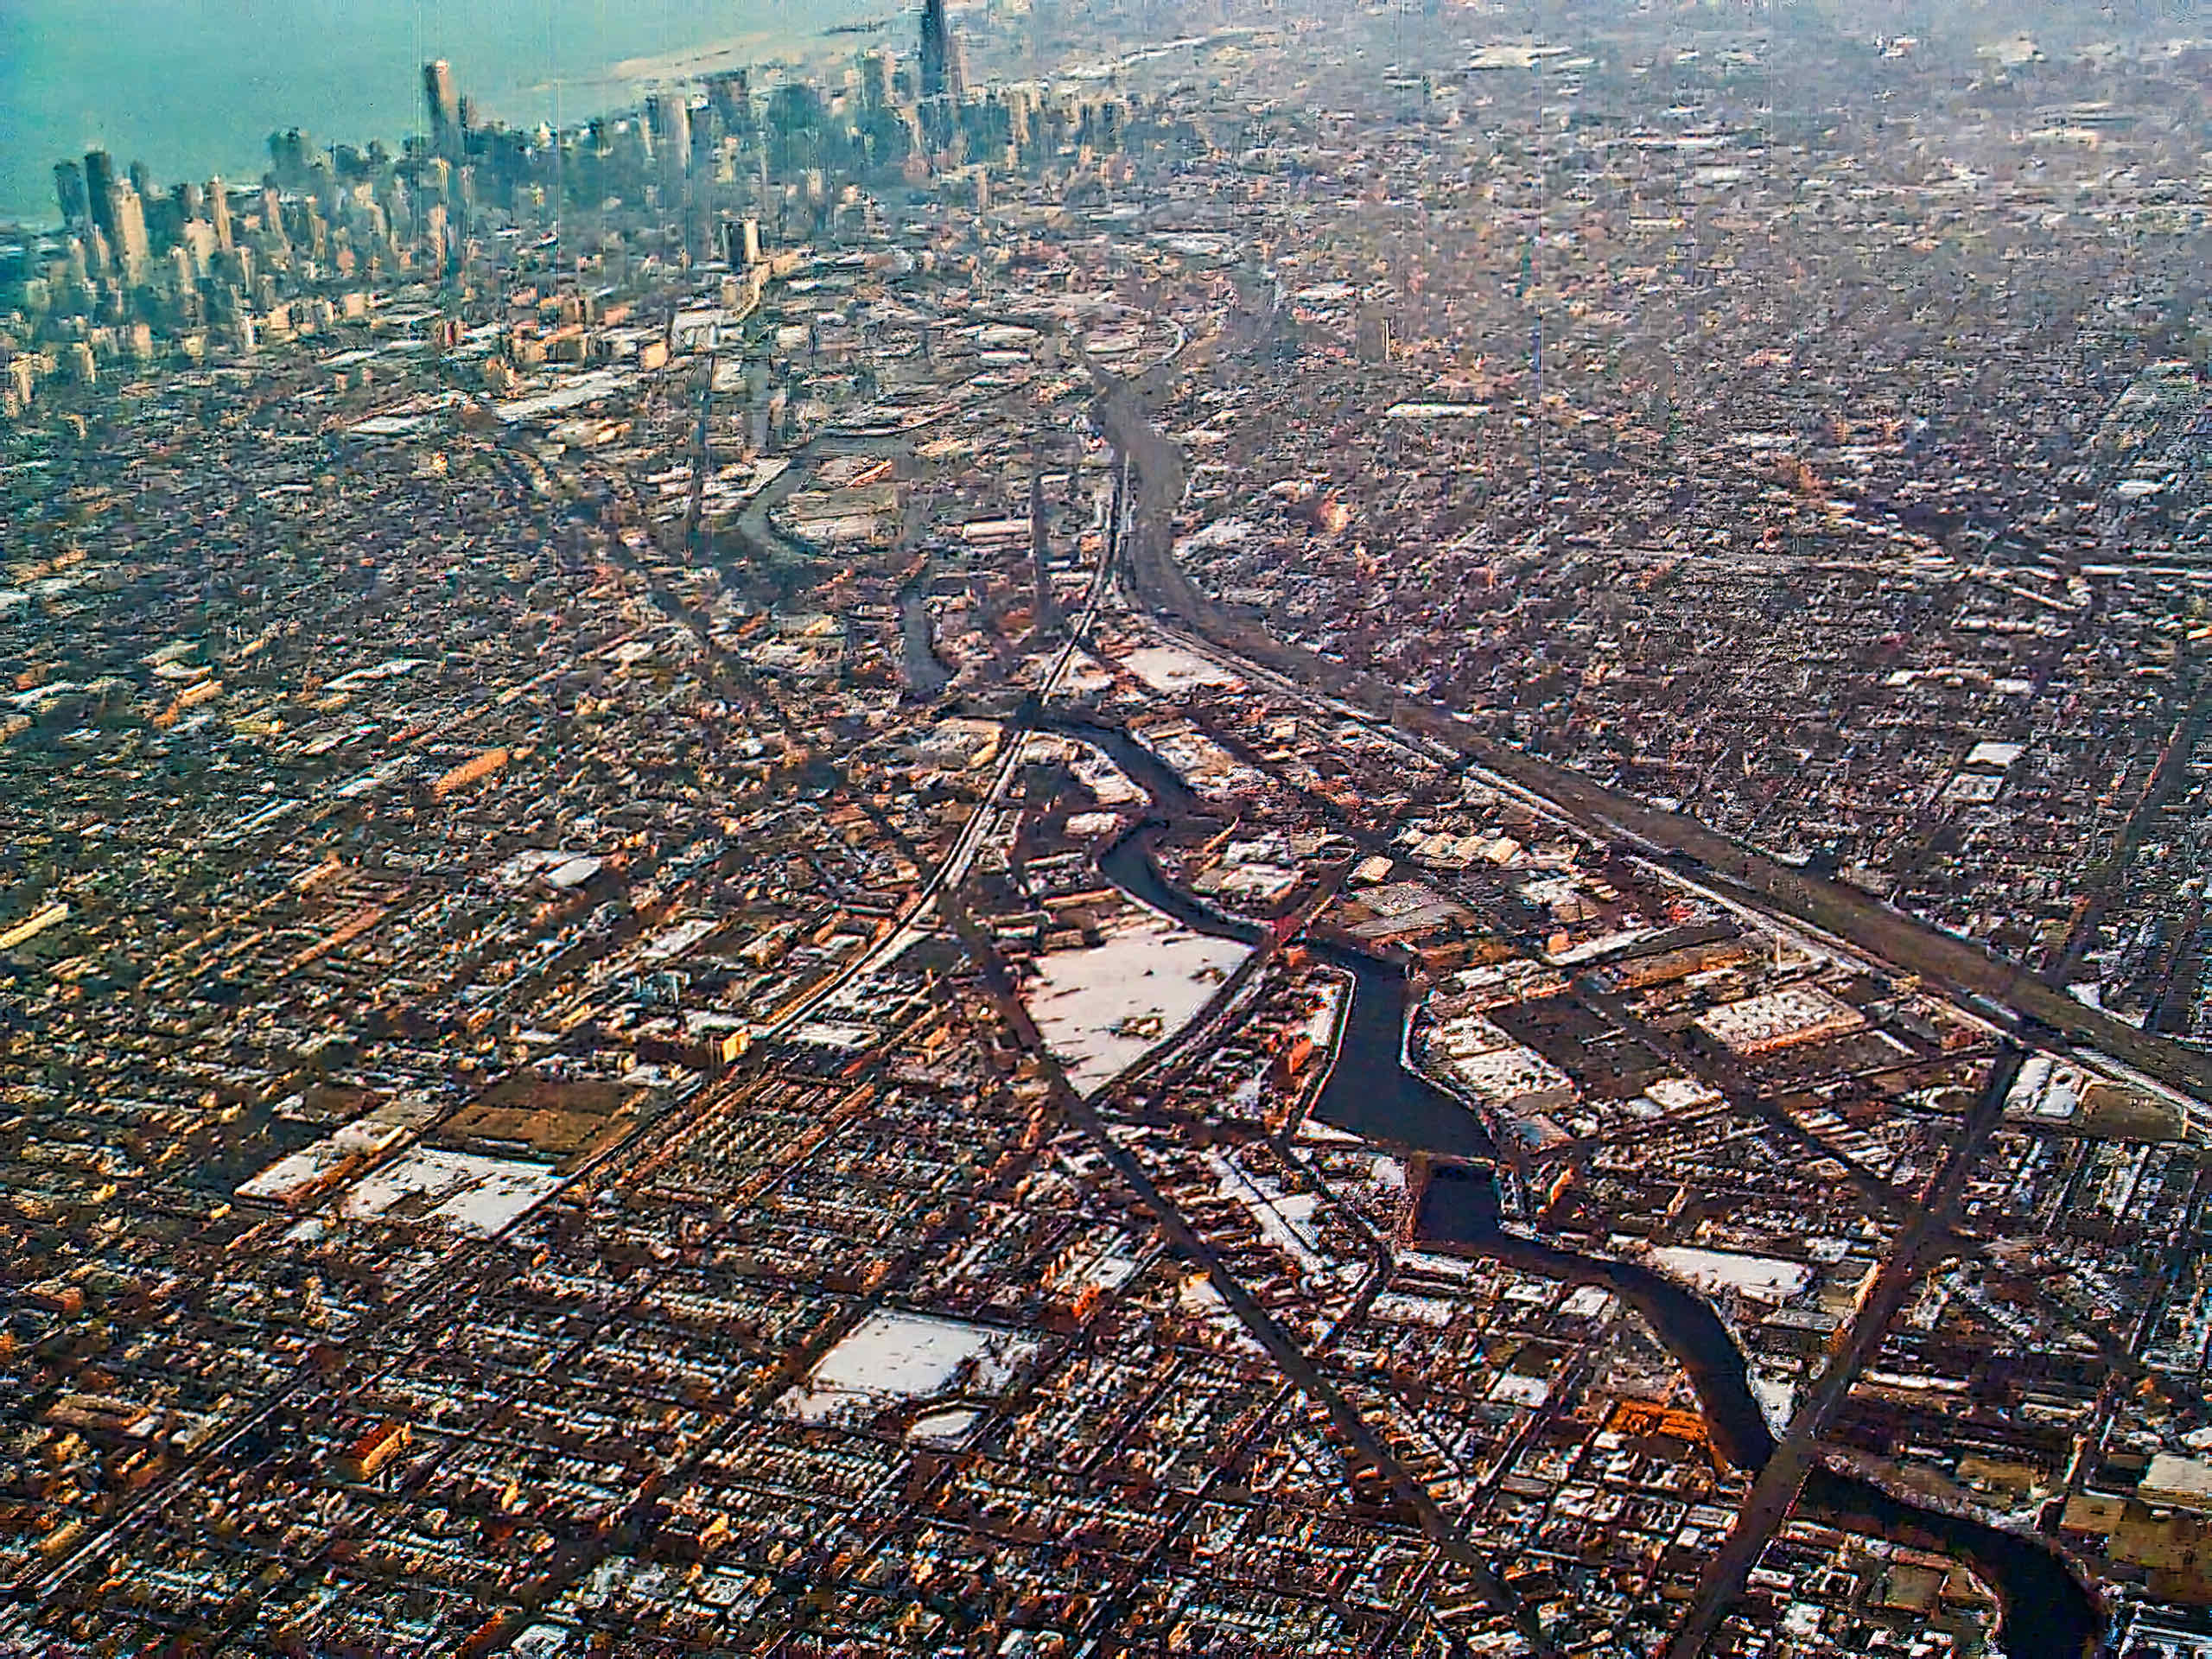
(192, 86)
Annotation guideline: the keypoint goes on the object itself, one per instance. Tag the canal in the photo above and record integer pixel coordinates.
(2045, 1611)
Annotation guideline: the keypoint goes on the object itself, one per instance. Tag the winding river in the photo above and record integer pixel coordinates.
(2045, 1611)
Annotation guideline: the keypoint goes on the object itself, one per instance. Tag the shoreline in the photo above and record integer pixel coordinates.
(780, 47)
(601, 88)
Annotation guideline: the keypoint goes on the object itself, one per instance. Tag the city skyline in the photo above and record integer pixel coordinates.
(1264, 833)
(197, 92)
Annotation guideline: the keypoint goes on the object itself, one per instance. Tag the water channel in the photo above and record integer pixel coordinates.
(2045, 1611)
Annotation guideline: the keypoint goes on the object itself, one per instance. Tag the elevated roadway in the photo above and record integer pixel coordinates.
(2040, 1014)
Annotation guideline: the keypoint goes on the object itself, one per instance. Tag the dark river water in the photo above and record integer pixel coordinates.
(1371, 1092)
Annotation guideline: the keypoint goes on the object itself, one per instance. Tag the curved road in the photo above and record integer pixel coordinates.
(2000, 989)
(2047, 1613)
(2031, 1012)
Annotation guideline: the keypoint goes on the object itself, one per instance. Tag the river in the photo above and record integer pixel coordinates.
(2046, 1613)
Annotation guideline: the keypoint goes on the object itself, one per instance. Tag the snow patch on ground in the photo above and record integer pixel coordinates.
(1765, 1278)
(1103, 1008)
(1223, 532)
(947, 1429)
(1397, 1307)
(1587, 1302)
(1109, 785)
(1514, 1389)
(1285, 1220)
(890, 1356)
(1171, 669)
(1777, 1398)
(456, 1190)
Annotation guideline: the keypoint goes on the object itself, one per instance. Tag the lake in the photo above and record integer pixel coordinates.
(196, 86)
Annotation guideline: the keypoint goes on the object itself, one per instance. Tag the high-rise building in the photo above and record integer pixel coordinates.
(69, 191)
(669, 114)
(933, 54)
(442, 102)
(99, 181)
(730, 96)
(1018, 105)
(876, 78)
(1040, 550)
(218, 212)
(289, 154)
(1371, 334)
(132, 248)
(198, 240)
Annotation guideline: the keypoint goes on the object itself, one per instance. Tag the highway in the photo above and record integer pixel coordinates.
(2001, 990)
(1775, 1491)
(952, 870)
(2030, 1013)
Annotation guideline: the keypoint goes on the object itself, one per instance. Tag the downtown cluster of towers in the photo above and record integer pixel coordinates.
(110, 211)
(941, 78)
(116, 213)
(726, 167)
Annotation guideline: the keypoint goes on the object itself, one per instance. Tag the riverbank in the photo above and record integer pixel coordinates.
(2046, 1611)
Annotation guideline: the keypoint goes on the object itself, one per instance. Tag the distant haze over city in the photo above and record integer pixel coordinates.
(195, 89)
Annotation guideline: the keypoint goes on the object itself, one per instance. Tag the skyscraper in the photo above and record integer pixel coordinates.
(933, 54)
(1371, 334)
(876, 78)
(1040, 548)
(69, 191)
(132, 250)
(289, 152)
(100, 182)
(670, 115)
(218, 212)
(442, 101)
(730, 96)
